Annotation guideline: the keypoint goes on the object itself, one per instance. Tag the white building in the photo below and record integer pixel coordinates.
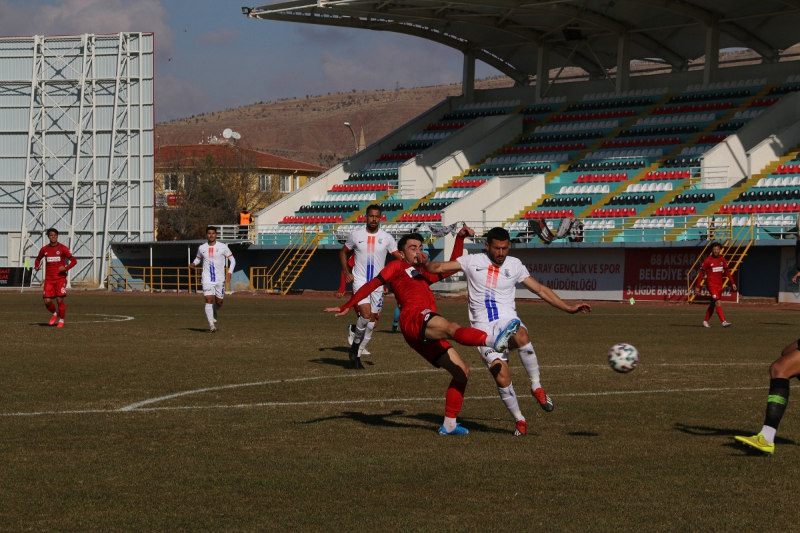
(76, 145)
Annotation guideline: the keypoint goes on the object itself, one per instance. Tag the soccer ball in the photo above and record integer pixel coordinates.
(623, 357)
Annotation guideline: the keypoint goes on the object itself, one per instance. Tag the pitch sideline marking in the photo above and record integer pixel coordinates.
(352, 402)
(119, 318)
(151, 401)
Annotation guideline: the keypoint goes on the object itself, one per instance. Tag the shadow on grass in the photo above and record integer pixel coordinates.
(343, 363)
(41, 324)
(343, 349)
(707, 431)
(583, 434)
(777, 324)
(198, 330)
(686, 326)
(400, 419)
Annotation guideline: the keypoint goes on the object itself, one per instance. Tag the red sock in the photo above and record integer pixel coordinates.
(51, 307)
(470, 337)
(453, 398)
(720, 313)
(709, 312)
(62, 308)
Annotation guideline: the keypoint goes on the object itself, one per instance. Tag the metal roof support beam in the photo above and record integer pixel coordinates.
(542, 70)
(623, 62)
(468, 77)
(712, 54)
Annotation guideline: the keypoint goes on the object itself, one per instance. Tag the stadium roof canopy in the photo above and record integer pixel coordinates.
(517, 36)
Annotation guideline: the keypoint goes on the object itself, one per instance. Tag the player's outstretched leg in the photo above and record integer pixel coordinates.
(505, 334)
(531, 363)
(439, 328)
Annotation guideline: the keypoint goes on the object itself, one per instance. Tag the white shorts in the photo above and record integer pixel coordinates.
(375, 299)
(488, 355)
(214, 289)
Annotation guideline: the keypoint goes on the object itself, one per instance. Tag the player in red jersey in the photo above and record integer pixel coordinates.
(55, 275)
(713, 268)
(423, 328)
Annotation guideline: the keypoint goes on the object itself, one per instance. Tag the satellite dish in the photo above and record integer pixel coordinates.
(236, 135)
(227, 133)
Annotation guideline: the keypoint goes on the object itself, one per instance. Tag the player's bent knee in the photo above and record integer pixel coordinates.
(786, 366)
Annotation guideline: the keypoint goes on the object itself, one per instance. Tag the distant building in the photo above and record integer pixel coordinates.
(175, 163)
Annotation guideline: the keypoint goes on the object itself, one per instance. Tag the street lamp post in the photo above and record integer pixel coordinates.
(355, 142)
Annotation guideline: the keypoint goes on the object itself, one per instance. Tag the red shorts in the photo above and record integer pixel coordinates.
(55, 288)
(412, 324)
(714, 291)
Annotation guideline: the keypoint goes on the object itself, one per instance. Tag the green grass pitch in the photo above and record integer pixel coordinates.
(135, 418)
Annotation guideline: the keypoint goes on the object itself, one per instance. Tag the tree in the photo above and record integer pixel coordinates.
(212, 192)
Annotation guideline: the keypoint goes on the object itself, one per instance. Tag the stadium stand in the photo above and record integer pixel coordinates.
(619, 162)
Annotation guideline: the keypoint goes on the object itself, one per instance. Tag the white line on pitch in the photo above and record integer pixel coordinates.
(151, 401)
(112, 318)
(364, 401)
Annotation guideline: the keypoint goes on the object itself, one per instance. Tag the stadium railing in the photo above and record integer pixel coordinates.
(234, 233)
(155, 279)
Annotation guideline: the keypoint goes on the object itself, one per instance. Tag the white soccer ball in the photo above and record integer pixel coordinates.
(623, 357)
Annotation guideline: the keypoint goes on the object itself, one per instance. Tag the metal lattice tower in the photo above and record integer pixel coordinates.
(76, 145)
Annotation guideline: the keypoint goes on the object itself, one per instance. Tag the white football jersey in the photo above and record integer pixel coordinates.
(371, 250)
(213, 258)
(492, 288)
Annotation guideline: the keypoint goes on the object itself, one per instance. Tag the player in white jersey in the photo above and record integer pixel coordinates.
(492, 280)
(370, 244)
(213, 255)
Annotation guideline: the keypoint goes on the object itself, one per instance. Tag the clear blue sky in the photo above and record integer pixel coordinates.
(211, 57)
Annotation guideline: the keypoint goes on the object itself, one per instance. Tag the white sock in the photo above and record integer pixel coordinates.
(531, 363)
(210, 313)
(449, 424)
(769, 433)
(368, 334)
(360, 329)
(509, 398)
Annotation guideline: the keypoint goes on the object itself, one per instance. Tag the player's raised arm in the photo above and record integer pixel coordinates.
(443, 267)
(452, 266)
(547, 294)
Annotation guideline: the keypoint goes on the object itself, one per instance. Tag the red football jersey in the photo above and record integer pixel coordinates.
(716, 268)
(411, 286)
(55, 256)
